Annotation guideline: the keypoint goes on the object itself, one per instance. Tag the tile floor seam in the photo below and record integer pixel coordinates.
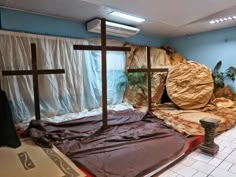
(230, 168)
(223, 160)
(221, 166)
(205, 163)
(217, 165)
(195, 172)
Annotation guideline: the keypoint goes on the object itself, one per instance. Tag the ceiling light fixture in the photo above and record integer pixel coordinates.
(219, 20)
(126, 16)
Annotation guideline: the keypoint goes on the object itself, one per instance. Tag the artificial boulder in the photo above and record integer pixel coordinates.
(136, 94)
(190, 85)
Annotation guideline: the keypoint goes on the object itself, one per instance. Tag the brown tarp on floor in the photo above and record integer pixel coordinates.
(133, 145)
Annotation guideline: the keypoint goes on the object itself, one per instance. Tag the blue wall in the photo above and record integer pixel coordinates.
(32, 23)
(206, 48)
(209, 48)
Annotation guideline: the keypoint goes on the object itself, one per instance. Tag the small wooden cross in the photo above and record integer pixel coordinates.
(149, 70)
(104, 48)
(34, 72)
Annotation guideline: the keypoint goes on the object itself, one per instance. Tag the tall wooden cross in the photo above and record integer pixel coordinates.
(104, 48)
(34, 72)
(149, 71)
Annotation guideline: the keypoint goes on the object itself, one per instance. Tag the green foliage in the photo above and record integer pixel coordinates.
(217, 67)
(230, 73)
(137, 79)
(219, 76)
(219, 79)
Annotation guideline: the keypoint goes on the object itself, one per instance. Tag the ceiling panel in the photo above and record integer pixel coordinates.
(72, 9)
(176, 13)
(164, 18)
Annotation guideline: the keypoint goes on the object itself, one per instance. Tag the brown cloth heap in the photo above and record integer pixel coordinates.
(190, 85)
(225, 92)
(134, 144)
(187, 121)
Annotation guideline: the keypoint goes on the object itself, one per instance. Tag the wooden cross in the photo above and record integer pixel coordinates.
(104, 48)
(149, 71)
(34, 72)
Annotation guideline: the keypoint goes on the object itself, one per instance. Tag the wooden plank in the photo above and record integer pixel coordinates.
(146, 70)
(30, 72)
(51, 71)
(95, 47)
(86, 47)
(104, 74)
(149, 79)
(19, 72)
(116, 48)
(35, 82)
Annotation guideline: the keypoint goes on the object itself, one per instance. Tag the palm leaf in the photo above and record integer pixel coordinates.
(217, 67)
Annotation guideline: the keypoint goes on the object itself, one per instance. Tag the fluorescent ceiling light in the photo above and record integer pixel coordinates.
(126, 16)
(120, 26)
(223, 19)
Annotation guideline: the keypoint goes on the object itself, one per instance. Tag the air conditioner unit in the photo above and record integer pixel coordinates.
(112, 28)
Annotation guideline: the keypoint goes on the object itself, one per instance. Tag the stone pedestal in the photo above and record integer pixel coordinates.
(209, 124)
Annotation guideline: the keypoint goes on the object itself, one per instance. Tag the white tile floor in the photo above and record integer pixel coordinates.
(198, 164)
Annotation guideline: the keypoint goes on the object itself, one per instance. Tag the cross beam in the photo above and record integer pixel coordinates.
(149, 70)
(104, 48)
(108, 48)
(34, 72)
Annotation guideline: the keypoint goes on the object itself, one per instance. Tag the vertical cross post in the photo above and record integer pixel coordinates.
(103, 48)
(149, 70)
(149, 79)
(35, 81)
(104, 74)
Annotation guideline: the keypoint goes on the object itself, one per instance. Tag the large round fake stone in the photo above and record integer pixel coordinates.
(190, 85)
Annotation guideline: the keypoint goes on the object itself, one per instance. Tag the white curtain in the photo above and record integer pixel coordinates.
(76, 90)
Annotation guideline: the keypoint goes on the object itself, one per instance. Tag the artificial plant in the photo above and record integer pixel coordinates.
(230, 73)
(139, 80)
(219, 76)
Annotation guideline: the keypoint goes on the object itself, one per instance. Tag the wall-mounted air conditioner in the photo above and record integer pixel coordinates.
(112, 28)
